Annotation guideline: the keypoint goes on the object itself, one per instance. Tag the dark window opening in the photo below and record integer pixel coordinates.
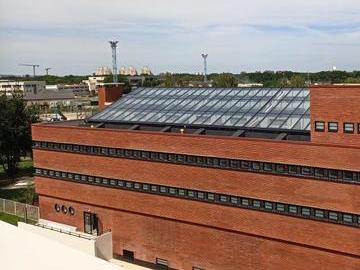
(128, 255)
(320, 126)
(349, 127)
(333, 126)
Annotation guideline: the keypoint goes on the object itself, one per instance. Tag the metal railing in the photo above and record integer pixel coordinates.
(21, 210)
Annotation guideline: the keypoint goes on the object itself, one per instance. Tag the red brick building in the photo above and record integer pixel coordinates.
(212, 178)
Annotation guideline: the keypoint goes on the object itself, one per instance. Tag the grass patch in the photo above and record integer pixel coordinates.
(10, 218)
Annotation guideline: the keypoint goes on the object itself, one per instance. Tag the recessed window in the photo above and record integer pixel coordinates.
(245, 202)
(224, 198)
(256, 203)
(145, 187)
(234, 200)
(154, 188)
(358, 127)
(268, 205)
(333, 216)
(280, 207)
(162, 262)
(64, 209)
(348, 127)
(201, 195)
(319, 213)
(113, 182)
(181, 192)
(333, 126)
(305, 211)
(121, 183)
(347, 218)
(71, 210)
(293, 209)
(57, 207)
(211, 196)
(319, 126)
(163, 189)
(172, 190)
(137, 186)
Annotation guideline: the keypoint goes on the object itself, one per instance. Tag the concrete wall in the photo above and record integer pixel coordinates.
(100, 246)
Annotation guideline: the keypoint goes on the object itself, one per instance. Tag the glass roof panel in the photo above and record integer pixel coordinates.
(275, 108)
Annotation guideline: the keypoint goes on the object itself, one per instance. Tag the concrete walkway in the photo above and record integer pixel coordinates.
(21, 182)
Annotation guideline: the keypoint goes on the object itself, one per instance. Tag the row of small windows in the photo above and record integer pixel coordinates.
(277, 207)
(334, 127)
(254, 166)
(64, 209)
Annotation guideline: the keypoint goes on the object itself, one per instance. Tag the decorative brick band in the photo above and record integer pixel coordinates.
(299, 211)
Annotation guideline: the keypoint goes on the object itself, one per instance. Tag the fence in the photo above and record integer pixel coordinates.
(21, 210)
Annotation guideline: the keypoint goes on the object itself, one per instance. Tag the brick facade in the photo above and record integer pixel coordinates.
(191, 233)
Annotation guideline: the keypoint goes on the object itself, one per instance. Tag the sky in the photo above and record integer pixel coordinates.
(71, 36)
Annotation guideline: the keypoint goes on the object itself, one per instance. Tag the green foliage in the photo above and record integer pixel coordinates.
(353, 80)
(50, 79)
(15, 131)
(225, 80)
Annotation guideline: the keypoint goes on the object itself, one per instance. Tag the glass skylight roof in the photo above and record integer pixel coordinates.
(267, 108)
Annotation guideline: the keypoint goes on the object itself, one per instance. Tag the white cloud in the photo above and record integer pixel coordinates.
(170, 35)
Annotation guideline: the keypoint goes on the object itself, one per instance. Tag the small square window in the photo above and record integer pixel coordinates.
(112, 152)
(320, 172)
(256, 203)
(305, 211)
(280, 168)
(91, 179)
(136, 153)
(98, 180)
(224, 163)
(211, 196)
(163, 189)
(191, 193)
(105, 181)
(334, 174)
(349, 175)
(120, 152)
(201, 160)
(77, 177)
(269, 167)
(333, 216)
(38, 171)
(145, 154)
(63, 174)
(180, 158)
(70, 175)
(137, 186)
(319, 213)
(293, 209)
(201, 195)
(145, 187)
(154, 155)
(172, 190)
(293, 169)
(245, 202)
(128, 153)
(333, 126)
(191, 159)
(234, 163)
(163, 156)
(280, 207)
(113, 182)
(234, 200)
(96, 150)
(349, 127)
(320, 126)
(307, 171)
(154, 188)
(268, 205)
(255, 165)
(347, 218)
(245, 164)
(58, 174)
(121, 183)
(181, 192)
(224, 198)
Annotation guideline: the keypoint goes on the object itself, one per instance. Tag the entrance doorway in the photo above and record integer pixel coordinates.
(91, 223)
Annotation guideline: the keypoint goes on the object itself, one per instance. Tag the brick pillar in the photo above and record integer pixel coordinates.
(107, 94)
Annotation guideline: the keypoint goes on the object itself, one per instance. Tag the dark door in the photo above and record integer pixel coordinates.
(90, 223)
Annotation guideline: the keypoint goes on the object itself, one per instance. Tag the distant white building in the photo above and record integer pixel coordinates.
(9, 87)
(250, 85)
(103, 71)
(146, 71)
(131, 71)
(93, 82)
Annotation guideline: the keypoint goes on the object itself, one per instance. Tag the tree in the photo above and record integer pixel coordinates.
(297, 81)
(225, 80)
(15, 131)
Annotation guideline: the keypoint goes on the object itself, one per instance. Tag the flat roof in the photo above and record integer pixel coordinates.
(261, 108)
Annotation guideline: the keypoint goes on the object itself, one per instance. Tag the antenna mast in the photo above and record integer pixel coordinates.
(113, 45)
